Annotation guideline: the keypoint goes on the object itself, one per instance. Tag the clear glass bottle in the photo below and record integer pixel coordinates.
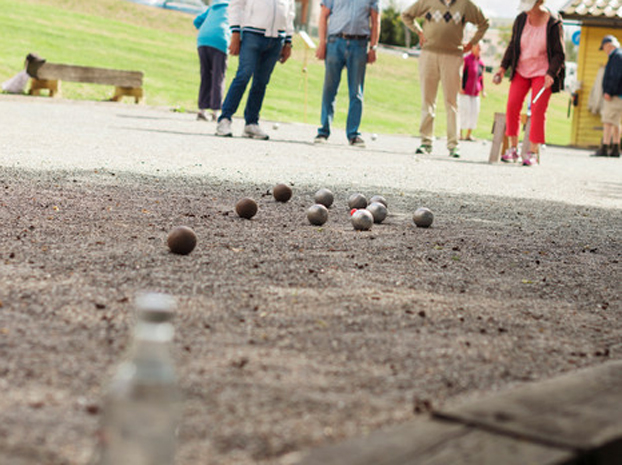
(142, 406)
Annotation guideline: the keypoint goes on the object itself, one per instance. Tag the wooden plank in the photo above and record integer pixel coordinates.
(498, 131)
(581, 410)
(429, 442)
(113, 77)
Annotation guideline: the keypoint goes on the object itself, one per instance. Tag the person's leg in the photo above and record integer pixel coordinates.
(249, 56)
(428, 78)
(270, 54)
(219, 68)
(356, 63)
(206, 78)
(538, 112)
(451, 81)
(464, 113)
(518, 90)
(333, 66)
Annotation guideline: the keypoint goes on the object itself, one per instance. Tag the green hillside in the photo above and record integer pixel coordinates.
(124, 35)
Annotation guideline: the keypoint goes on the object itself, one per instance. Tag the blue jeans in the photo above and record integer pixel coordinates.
(258, 56)
(353, 55)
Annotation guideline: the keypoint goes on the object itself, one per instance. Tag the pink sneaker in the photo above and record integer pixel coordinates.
(510, 155)
(531, 160)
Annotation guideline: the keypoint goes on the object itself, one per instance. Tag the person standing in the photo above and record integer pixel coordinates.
(441, 59)
(212, 42)
(261, 35)
(348, 31)
(612, 95)
(472, 87)
(536, 55)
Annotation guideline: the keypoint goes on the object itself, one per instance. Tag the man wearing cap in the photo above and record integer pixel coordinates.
(349, 31)
(612, 94)
(441, 37)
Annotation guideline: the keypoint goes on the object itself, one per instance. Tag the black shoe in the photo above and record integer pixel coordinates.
(357, 142)
(601, 152)
(615, 151)
(320, 139)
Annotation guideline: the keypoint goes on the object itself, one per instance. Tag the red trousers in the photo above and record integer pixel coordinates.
(518, 90)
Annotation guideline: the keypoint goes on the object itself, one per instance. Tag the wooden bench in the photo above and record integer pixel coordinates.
(500, 140)
(48, 76)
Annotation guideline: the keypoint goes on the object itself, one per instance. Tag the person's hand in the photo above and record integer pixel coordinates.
(462, 91)
(607, 97)
(320, 51)
(286, 51)
(498, 77)
(371, 56)
(484, 94)
(548, 81)
(234, 46)
(466, 48)
(422, 39)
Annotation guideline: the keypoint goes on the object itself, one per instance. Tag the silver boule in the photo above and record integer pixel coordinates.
(276, 126)
(324, 197)
(423, 217)
(378, 211)
(362, 220)
(357, 201)
(317, 214)
(374, 136)
(379, 199)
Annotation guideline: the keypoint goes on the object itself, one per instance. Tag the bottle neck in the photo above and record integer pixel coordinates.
(152, 340)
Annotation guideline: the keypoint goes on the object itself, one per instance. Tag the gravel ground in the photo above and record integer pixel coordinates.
(288, 336)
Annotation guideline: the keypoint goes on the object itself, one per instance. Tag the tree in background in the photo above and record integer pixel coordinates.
(392, 30)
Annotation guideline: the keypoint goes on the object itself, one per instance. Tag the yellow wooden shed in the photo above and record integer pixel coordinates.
(597, 19)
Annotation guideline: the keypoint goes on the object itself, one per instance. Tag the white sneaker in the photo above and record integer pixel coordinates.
(224, 128)
(253, 131)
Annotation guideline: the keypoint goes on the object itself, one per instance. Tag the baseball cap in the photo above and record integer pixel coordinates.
(609, 40)
(526, 5)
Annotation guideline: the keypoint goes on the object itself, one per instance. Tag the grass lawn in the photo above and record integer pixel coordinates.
(161, 43)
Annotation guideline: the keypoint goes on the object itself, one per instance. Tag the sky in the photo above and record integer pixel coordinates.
(502, 8)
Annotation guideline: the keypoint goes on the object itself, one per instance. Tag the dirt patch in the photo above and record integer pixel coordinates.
(288, 336)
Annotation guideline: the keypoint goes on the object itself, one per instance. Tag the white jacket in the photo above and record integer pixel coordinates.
(272, 18)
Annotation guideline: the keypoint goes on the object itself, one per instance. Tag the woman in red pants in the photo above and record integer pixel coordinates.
(536, 56)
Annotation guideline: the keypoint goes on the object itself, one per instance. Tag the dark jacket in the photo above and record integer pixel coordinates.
(554, 47)
(612, 79)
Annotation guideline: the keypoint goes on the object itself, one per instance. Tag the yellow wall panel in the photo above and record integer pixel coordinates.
(586, 127)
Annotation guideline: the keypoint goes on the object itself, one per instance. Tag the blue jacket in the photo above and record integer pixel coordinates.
(213, 26)
(612, 79)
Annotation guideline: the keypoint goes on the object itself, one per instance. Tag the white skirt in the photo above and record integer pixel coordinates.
(469, 111)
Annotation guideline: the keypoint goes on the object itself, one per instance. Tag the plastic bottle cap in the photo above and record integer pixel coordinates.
(155, 306)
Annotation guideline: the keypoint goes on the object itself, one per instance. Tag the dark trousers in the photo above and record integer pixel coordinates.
(258, 56)
(213, 68)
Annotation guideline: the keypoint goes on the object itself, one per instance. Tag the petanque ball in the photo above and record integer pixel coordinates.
(362, 220)
(246, 208)
(379, 199)
(423, 217)
(276, 126)
(374, 136)
(317, 214)
(182, 240)
(282, 192)
(378, 211)
(324, 197)
(357, 201)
